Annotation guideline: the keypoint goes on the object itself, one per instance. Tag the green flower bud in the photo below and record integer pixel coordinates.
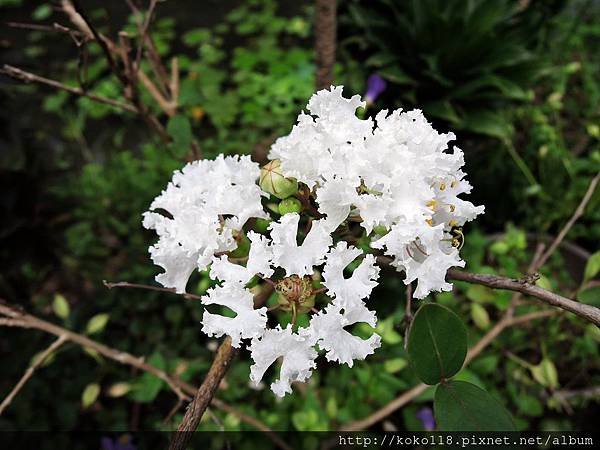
(272, 181)
(380, 230)
(289, 205)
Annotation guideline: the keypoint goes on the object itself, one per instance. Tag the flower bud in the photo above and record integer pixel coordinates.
(289, 205)
(272, 181)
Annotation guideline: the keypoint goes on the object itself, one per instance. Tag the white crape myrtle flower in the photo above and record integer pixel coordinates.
(395, 172)
(207, 202)
(395, 176)
(296, 349)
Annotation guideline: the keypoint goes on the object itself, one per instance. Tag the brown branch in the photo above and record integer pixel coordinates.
(18, 318)
(125, 284)
(30, 370)
(325, 41)
(74, 11)
(587, 312)
(28, 77)
(203, 396)
(576, 215)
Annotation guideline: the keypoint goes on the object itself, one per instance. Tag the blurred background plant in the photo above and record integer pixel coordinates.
(518, 81)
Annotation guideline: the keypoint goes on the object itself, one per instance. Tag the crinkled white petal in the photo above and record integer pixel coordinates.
(259, 259)
(336, 197)
(327, 330)
(349, 291)
(177, 264)
(299, 259)
(296, 351)
(248, 322)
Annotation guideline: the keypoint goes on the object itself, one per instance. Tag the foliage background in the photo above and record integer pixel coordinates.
(76, 177)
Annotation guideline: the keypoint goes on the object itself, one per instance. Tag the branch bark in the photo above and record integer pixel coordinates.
(28, 77)
(587, 312)
(325, 40)
(203, 396)
(16, 317)
(29, 372)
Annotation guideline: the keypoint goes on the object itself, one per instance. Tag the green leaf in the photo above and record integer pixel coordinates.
(90, 394)
(591, 296)
(462, 406)
(592, 267)
(180, 129)
(60, 306)
(394, 365)
(42, 12)
(396, 75)
(488, 123)
(480, 316)
(437, 343)
(118, 389)
(148, 386)
(545, 373)
(97, 323)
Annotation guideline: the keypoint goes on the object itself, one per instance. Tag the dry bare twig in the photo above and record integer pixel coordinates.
(16, 317)
(30, 370)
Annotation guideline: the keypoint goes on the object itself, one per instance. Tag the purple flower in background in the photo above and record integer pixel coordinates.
(425, 415)
(120, 443)
(375, 86)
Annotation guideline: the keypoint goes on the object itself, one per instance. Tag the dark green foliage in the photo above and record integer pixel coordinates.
(437, 343)
(459, 61)
(462, 406)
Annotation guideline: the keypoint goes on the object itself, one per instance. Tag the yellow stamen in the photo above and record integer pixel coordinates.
(430, 222)
(442, 186)
(432, 204)
(452, 208)
(452, 223)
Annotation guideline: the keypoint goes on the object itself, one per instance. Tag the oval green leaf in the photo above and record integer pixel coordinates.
(462, 406)
(90, 394)
(437, 343)
(97, 323)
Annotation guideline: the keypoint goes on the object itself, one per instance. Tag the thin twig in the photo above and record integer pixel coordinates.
(30, 370)
(182, 389)
(125, 284)
(576, 215)
(28, 77)
(587, 312)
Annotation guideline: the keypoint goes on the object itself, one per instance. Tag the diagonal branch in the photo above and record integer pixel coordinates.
(28, 77)
(30, 370)
(576, 215)
(587, 312)
(203, 396)
(16, 317)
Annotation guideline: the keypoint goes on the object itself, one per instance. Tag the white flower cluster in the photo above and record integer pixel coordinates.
(393, 173)
(394, 178)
